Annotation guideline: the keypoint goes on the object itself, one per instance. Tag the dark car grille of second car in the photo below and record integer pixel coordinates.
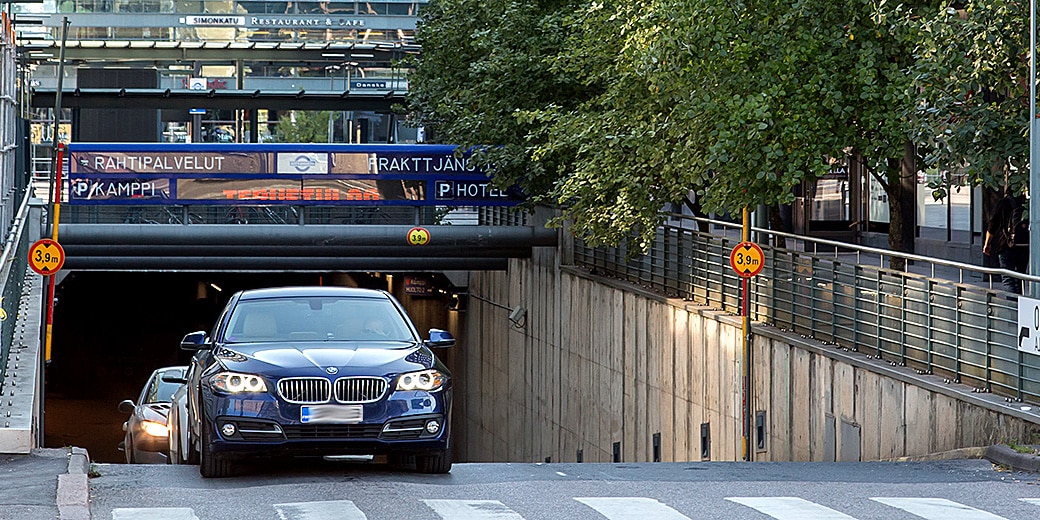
(316, 390)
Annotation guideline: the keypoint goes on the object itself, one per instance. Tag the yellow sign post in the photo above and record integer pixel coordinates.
(747, 260)
(46, 255)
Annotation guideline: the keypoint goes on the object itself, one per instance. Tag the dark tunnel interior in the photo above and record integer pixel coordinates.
(111, 330)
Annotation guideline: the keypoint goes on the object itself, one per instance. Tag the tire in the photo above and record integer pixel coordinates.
(212, 465)
(129, 449)
(438, 462)
(192, 456)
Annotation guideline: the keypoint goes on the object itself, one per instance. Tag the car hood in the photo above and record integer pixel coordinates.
(155, 412)
(315, 358)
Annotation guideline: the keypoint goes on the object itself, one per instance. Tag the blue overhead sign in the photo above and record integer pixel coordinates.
(368, 83)
(325, 174)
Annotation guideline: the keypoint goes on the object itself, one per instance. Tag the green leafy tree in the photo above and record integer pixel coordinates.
(972, 75)
(613, 109)
(483, 63)
(303, 126)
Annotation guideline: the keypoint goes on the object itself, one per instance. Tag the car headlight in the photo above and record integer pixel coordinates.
(235, 383)
(428, 380)
(155, 429)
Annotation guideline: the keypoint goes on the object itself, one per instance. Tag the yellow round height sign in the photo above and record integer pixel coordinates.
(418, 236)
(747, 259)
(46, 256)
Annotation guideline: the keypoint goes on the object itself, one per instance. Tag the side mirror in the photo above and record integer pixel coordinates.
(126, 406)
(194, 341)
(440, 338)
(174, 379)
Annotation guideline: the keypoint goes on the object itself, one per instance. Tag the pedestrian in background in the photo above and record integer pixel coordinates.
(1007, 236)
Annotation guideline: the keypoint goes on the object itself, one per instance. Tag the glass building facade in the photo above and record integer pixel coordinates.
(269, 48)
(234, 21)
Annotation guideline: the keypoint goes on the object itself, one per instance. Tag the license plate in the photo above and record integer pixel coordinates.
(332, 413)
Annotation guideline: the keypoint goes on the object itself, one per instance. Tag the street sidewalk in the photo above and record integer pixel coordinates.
(46, 484)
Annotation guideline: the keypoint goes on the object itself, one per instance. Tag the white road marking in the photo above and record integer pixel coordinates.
(325, 510)
(153, 513)
(631, 508)
(790, 508)
(937, 509)
(1034, 501)
(472, 510)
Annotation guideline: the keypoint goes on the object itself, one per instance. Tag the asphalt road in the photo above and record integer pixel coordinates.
(946, 490)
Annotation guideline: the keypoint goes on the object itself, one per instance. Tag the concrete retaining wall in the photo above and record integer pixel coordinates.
(598, 362)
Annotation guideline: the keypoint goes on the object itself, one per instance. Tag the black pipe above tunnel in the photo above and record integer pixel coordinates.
(311, 234)
(178, 250)
(281, 263)
(214, 247)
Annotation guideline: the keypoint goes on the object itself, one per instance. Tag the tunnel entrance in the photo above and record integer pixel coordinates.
(112, 329)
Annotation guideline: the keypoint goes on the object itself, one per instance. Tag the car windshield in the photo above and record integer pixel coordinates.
(316, 319)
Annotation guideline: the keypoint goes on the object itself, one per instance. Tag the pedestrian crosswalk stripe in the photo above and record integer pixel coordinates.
(938, 509)
(153, 513)
(612, 508)
(790, 508)
(472, 510)
(631, 508)
(325, 510)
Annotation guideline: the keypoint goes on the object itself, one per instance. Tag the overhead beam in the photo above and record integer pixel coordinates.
(152, 51)
(216, 99)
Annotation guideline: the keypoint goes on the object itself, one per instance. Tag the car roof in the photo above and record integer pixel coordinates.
(305, 291)
(173, 368)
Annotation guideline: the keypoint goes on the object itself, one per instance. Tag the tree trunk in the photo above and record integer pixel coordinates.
(902, 204)
(776, 223)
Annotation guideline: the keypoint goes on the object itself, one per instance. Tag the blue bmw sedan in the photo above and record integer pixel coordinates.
(317, 371)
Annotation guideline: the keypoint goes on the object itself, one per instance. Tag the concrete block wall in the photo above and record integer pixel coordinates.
(599, 362)
(21, 394)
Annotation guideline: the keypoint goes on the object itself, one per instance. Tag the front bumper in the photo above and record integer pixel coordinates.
(264, 424)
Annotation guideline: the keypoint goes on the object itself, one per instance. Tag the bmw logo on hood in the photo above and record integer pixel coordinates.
(331, 370)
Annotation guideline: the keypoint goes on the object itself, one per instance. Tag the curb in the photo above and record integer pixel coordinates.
(960, 453)
(1005, 456)
(73, 498)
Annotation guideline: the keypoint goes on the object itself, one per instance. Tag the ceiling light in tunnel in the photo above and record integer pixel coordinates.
(217, 287)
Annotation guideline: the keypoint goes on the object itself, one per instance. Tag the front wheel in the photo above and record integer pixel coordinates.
(435, 462)
(212, 465)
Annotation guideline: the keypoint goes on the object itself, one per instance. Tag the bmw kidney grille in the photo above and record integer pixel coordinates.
(315, 390)
(360, 389)
(305, 390)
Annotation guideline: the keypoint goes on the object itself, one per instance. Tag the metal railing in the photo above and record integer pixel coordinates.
(938, 317)
(13, 266)
(14, 196)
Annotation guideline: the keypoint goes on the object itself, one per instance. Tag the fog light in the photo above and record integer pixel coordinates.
(228, 429)
(433, 426)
